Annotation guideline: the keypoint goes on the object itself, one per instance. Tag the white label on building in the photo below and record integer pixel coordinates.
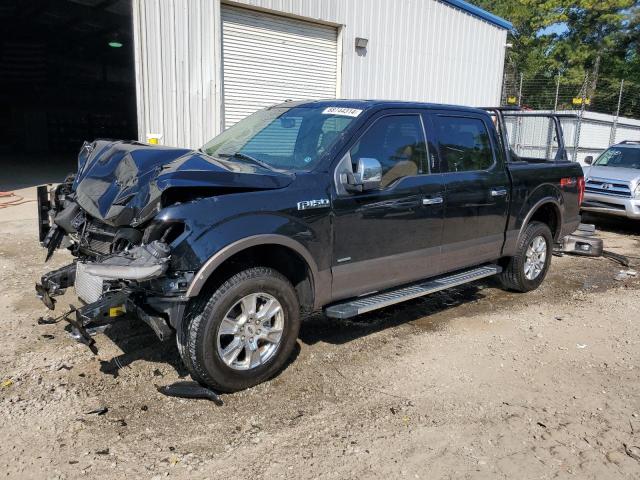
(346, 112)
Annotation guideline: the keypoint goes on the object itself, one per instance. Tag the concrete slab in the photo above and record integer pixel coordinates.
(21, 171)
(26, 211)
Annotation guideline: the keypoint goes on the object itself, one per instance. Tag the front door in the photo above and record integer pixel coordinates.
(476, 183)
(392, 235)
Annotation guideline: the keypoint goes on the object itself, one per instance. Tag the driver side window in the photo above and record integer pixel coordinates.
(398, 143)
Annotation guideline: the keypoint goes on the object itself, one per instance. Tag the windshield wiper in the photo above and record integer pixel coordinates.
(244, 156)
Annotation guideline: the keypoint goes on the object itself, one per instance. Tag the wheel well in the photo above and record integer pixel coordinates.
(280, 258)
(549, 215)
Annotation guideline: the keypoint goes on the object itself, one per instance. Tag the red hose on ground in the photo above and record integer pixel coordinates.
(16, 200)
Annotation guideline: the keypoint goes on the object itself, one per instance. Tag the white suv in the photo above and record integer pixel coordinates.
(613, 181)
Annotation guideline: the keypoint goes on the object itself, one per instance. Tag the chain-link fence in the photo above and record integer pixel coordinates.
(593, 116)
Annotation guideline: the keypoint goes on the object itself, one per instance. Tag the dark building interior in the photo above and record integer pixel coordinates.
(66, 76)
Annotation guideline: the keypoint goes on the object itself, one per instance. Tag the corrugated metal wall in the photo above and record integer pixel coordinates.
(420, 50)
(177, 50)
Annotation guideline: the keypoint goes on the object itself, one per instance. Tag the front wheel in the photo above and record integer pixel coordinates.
(246, 331)
(526, 270)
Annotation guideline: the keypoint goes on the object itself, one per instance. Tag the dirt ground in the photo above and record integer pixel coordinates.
(470, 383)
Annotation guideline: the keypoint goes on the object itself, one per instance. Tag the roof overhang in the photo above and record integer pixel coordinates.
(480, 13)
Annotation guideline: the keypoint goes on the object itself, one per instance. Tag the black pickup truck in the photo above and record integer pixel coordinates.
(339, 206)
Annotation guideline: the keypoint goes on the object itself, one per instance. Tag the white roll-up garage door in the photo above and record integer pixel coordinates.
(268, 59)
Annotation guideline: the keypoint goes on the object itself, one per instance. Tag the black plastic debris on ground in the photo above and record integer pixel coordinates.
(48, 320)
(98, 411)
(189, 389)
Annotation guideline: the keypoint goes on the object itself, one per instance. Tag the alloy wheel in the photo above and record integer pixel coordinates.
(536, 257)
(251, 331)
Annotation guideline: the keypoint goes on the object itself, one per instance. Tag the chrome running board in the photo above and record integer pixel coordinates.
(376, 301)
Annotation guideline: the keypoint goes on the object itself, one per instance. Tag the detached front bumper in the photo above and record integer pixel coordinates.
(612, 205)
(133, 284)
(105, 303)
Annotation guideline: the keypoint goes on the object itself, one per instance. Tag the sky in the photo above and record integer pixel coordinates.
(555, 29)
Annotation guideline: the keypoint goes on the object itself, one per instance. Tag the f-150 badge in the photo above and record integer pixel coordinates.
(309, 204)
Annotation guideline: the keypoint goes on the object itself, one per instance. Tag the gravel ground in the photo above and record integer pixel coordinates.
(469, 383)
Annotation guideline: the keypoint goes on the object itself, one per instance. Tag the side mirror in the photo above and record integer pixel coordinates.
(369, 173)
(588, 160)
(367, 176)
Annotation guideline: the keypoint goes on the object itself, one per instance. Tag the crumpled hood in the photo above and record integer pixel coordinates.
(123, 182)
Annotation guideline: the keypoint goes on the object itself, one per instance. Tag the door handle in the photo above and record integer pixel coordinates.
(498, 192)
(432, 201)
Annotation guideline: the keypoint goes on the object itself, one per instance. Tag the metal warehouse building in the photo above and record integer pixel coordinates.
(183, 70)
(202, 65)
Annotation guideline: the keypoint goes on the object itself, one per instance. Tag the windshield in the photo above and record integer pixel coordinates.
(620, 157)
(283, 138)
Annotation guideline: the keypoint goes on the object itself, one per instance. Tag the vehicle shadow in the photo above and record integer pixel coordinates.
(138, 342)
(319, 328)
(612, 224)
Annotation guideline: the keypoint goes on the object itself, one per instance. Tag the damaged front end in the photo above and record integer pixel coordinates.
(133, 281)
(130, 256)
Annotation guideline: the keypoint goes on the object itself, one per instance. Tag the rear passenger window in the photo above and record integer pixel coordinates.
(398, 143)
(464, 144)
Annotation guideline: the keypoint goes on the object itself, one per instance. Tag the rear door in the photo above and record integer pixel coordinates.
(477, 188)
(390, 236)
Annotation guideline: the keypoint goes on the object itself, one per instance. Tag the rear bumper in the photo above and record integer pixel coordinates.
(612, 205)
(578, 244)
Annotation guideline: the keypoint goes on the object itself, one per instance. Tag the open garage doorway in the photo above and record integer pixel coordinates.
(66, 75)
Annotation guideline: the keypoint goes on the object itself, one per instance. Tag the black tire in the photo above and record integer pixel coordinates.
(513, 276)
(193, 310)
(199, 342)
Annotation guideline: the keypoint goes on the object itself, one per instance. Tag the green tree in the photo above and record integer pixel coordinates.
(579, 39)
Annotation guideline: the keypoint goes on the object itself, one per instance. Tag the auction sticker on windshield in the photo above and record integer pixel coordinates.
(347, 112)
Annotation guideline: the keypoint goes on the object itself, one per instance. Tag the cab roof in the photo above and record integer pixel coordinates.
(628, 144)
(375, 104)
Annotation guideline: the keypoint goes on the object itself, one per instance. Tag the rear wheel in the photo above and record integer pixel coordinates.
(245, 333)
(526, 270)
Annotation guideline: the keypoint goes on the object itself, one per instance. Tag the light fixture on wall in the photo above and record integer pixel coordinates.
(361, 42)
(114, 41)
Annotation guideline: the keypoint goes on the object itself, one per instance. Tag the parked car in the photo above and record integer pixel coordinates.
(339, 206)
(613, 181)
